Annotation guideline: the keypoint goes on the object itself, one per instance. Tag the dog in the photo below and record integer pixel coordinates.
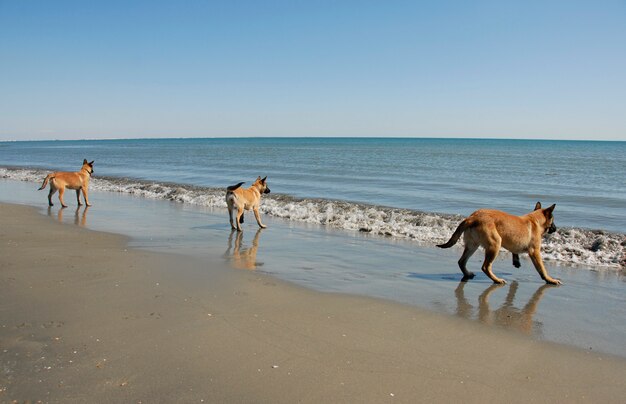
(493, 229)
(78, 181)
(246, 199)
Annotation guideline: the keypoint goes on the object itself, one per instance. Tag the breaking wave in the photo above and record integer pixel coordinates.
(570, 245)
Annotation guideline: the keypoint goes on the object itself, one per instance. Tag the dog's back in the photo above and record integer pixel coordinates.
(514, 231)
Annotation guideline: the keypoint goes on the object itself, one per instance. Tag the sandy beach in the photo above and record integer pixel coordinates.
(86, 318)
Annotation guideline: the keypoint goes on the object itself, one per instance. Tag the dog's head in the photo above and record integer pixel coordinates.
(549, 225)
(88, 166)
(261, 183)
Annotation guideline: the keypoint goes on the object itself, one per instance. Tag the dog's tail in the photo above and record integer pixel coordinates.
(45, 181)
(234, 187)
(457, 234)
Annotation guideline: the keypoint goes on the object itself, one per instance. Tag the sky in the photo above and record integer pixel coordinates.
(481, 69)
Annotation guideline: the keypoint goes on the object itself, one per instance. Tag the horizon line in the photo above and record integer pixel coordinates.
(300, 137)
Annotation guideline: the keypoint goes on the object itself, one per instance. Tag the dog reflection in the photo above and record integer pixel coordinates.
(507, 315)
(242, 258)
(79, 220)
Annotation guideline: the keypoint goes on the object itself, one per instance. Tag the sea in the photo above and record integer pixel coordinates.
(394, 188)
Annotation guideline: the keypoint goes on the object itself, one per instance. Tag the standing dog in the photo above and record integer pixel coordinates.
(246, 199)
(78, 181)
(493, 229)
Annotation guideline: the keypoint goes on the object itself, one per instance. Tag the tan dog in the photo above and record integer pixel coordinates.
(493, 229)
(246, 199)
(78, 181)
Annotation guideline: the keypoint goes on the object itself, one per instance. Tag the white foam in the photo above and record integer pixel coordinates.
(568, 245)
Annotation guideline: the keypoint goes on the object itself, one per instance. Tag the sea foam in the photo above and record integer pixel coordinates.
(568, 245)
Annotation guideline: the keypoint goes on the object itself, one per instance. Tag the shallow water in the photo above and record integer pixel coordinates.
(588, 311)
(596, 248)
(587, 180)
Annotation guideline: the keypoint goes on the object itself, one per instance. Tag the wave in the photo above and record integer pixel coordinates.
(569, 245)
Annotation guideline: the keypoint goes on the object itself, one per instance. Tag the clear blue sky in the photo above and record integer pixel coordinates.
(120, 69)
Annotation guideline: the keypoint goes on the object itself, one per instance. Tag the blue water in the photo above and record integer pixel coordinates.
(415, 189)
(587, 180)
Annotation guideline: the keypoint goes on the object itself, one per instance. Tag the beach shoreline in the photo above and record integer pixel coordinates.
(586, 313)
(86, 318)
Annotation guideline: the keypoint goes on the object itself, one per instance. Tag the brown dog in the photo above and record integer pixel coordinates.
(78, 181)
(246, 199)
(493, 229)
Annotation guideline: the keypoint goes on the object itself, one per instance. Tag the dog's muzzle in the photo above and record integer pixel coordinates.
(267, 191)
(551, 229)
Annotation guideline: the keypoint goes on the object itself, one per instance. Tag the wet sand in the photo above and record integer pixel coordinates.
(86, 318)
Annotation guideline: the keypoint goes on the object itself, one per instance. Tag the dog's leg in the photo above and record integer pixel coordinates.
(78, 197)
(490, 255)
(86, 196)
(237, 221)
(61, 192)
(516, 262)
(52, 191)
(258, 218)
(470, 249)
(535, 257)
(230, 217)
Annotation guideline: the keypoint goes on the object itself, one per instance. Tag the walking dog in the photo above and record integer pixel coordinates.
(493, 229)
(78, 181)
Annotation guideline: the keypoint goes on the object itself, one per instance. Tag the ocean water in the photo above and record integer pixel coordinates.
(413, 189)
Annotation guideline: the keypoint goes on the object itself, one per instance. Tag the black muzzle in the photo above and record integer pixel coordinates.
(267, 191)
(551, 229)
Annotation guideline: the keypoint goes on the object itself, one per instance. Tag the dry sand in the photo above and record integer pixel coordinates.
(83, 318)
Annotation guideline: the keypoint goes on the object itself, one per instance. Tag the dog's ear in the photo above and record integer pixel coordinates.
(548, 211)
(538, 206)
(263, 180)
(91, 162)
(258, 178)
(85, 161)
